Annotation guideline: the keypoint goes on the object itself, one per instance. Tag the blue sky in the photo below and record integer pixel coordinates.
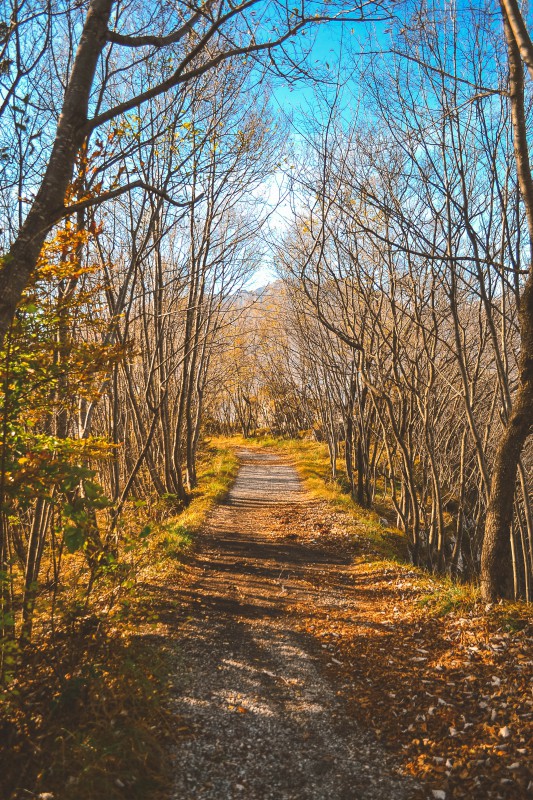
(297, 100)
(332, 43)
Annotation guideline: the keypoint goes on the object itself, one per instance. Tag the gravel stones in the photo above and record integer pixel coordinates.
(262, 720)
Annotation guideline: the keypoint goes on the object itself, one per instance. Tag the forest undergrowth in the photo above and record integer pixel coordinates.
(87, 714)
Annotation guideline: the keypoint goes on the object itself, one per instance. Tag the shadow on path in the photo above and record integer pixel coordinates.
(260, 719)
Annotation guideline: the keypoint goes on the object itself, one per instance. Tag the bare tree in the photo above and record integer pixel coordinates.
(184, 45)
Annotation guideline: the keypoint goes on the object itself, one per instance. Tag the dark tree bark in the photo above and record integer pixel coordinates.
(48, 205)
(496, 574)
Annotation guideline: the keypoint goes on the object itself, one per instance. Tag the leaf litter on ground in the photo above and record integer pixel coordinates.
(450, 693)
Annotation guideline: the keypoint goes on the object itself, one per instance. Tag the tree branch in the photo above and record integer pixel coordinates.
(156, 41)
(110, 195)
(182, 75)
(521, 35)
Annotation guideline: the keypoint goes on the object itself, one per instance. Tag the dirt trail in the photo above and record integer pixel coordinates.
(259, 713)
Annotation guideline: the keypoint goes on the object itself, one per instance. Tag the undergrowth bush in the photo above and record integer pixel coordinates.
(86, 713)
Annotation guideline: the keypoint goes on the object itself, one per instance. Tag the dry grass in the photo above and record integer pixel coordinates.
(217, 469)
(311, 460)
(386, 546)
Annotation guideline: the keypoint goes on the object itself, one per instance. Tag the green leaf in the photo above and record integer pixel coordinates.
(146, 531)
(74, 538)
(92, 490)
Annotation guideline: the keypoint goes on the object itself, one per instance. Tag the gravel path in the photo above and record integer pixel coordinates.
(259, 716)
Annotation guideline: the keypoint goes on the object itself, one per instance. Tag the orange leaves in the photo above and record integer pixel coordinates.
(450, 695)
(60, 257)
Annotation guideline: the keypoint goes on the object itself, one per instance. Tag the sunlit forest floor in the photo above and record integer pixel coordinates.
(439, 681)
(443, 680)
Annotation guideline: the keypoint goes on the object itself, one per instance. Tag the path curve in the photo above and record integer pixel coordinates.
(259, 715)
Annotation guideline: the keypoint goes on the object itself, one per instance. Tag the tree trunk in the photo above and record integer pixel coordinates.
(496, 577)
(19, 264)
(348, 451)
